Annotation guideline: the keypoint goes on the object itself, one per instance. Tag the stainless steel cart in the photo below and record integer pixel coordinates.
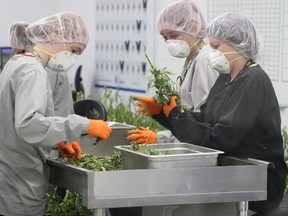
(232, 180)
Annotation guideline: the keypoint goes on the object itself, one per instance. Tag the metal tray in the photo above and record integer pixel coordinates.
(117, 137)
(179, 155)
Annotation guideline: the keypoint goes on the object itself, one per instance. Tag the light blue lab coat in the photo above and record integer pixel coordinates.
(61, 92)
(28, 131)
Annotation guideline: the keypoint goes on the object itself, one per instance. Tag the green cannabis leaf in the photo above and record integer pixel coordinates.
(164, 85)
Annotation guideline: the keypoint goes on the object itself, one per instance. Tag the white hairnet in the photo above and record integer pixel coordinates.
(238, 31)
(64, 27)
(17, 36)
(183, 16)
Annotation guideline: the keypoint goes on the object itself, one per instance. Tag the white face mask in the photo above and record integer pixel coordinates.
(178, 48)
(62, 61)
(219, 62)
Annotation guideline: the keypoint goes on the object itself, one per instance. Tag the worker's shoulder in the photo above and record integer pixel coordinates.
(26, 64)
(22, 59)
(255, 73)
(25, 67)
(204, 52)
(202, 63)
(255, 77)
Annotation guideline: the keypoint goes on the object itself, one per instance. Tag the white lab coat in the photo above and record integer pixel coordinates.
(28, 130)
(61, 92)
(195, 87)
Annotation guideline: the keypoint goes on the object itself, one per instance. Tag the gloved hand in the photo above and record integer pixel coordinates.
(72, 151)
(99, 128)
(167, 108)
(143, 136)
(148, 106)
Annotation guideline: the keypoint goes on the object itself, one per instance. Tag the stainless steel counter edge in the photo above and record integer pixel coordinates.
(233, 180)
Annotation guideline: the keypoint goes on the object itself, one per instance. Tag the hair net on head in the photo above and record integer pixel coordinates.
(17, 36)
(238, 31)
(64, 27)
(183, 16)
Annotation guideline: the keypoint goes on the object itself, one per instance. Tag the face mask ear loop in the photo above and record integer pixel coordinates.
(196, 50)
(62, 35)
(185, 37)
(196, 43)
(227, 53)
(45, 52)
(234, 59)
(65, 50)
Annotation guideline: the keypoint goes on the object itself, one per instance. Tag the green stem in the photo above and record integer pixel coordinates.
(152, 66)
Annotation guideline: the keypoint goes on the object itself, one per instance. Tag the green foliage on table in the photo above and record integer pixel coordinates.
(91, 162)
(141, 149)
(160, 79)
(285, 145)
(117, 111)
(70, 205)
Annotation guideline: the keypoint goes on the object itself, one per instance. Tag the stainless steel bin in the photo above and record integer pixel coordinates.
(117, 137)
(172, 155)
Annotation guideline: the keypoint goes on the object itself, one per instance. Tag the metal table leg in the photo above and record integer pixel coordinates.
(99, 212)
(242, 208)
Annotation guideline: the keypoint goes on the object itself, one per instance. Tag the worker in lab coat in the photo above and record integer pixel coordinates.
(61, 91)
(183, 28)
(29, 128)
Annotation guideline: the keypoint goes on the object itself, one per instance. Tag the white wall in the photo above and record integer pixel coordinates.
(86, 9)
(29, 10)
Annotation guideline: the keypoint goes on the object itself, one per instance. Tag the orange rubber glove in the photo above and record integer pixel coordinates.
(148, 106)
(99, 128)
(143, 136)
(167, 108)
(77, 149)
(72, 151)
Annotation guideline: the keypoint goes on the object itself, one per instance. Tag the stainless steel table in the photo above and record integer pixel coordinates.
(232, 180)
